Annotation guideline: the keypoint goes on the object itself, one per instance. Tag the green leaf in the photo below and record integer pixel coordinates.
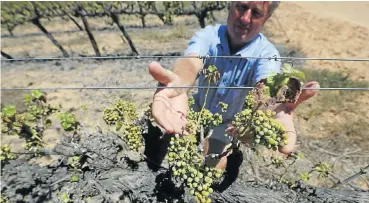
(298, 74)
(305, 176)
(327, 166)
(212, 68)
(66, 126)
(27, 98)
(74, 179)
(37, 94)
(270, 81)
(290, 71)
(65, 197)
(266, 91)
(9, 111)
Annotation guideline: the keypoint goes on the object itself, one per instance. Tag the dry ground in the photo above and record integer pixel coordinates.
(332, 126)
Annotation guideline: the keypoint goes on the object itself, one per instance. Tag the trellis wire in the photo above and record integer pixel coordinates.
(195, 87)
(171, 56)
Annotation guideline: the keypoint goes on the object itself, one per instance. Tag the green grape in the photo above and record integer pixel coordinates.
(218, 175)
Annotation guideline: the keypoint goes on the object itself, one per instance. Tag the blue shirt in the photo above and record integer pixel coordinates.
(212, 40)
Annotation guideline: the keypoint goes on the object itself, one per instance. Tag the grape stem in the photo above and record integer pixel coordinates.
(284, 173)
(203, 106)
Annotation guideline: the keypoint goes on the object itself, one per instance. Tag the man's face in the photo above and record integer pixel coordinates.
(245, 20)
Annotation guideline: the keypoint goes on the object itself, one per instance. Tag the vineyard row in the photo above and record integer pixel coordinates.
(18, 13)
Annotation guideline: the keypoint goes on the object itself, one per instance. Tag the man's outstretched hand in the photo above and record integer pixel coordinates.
(170, 105)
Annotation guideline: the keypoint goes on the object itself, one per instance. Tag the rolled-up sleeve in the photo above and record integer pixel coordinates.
(200, 42)
(264, 67)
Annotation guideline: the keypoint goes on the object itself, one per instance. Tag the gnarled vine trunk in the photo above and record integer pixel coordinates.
(104, 176)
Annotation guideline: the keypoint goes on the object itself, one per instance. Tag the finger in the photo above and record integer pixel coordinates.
(229, 130)
(308, 93)
(287, 121)
(178, 122)
(161, 74)
(237, 131)
(159, 109)
(222, 164)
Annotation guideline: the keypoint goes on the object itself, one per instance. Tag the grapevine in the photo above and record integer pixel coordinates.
(31, 123)
(18, 13)
(187, 163)
(6, 154)
(255, 120)
(186, 160)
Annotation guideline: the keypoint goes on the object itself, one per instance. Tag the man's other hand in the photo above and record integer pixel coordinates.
(284, 115)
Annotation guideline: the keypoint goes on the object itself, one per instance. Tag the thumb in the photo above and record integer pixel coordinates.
(161, 74)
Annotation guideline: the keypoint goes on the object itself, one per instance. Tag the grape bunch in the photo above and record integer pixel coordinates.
(132, 135)
(111, 116)
(267, 131)
(187, 168)
(256, 120)
(261, 125)
(120, 112)
(204, 118)
(123, 115)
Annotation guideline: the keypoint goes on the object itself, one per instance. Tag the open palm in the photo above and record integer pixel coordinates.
(170, 105)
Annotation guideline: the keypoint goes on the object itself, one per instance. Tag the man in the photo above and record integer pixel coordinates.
(240, 37)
